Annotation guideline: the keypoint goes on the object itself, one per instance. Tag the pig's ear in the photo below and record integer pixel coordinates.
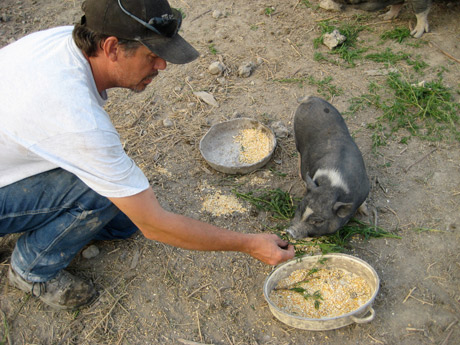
(342, 209)
(309, 183)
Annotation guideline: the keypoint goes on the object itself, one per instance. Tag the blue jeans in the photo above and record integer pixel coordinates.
(58, 215)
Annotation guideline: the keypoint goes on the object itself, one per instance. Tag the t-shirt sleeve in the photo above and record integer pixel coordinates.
(98, 159)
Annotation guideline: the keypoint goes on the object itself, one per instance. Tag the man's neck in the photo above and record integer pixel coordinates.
(99, 70)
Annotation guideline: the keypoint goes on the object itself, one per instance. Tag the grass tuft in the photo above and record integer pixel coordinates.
(398, 34)
(281, 206)
(324, 87)
(275, 201)
(340, 241)
(425, 109)
(348, 50)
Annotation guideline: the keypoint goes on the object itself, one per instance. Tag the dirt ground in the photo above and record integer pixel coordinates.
(151, 293)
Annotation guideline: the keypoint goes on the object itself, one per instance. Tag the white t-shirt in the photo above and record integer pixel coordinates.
(51, 115)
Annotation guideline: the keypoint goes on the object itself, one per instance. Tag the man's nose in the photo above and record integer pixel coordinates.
(159, 64)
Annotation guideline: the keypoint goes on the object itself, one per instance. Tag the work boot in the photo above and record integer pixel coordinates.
(65, 291)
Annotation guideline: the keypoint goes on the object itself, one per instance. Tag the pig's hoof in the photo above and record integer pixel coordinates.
(419, 31)
(362, 210)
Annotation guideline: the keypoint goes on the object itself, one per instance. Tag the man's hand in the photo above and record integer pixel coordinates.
(160, 225)
(270, 249)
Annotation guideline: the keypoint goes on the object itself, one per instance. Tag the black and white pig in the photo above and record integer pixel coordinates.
(421, 9)
(332, 168)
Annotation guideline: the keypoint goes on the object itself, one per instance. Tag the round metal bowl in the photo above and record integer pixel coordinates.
(220, 150)
(363, 314)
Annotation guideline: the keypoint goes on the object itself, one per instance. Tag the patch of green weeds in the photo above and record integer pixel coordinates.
(296, 287)
(398, 34)
(387, 56)
(391, 58)
(417, 64)
(268, 11)
(340, 241)
(277, 173)
(316, 296)
(420, 230)
(347, 50)
(299, 81)
(212, 49)
(379, 135)
(275, 201)
(6, 332)
(317, 56)
(425, 109)
(324, 86)
(308, 4)
(354, 227)
(418, 43)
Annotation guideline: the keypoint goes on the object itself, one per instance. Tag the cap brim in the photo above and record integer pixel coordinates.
(172, 49)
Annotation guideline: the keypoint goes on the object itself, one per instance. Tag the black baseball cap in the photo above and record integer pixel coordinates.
(151, 22)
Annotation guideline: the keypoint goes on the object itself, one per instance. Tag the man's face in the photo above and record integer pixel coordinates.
(137, 68)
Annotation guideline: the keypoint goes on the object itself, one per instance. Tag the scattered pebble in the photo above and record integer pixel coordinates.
(221, 80)
(333, 39)
(207, 98)
(91, 252)
(216, 14)
(280, 129)
(216, 68)
(330, 5)
(167, 123)
(245, 70)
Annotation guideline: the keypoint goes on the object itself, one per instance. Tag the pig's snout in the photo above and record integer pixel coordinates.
(296, 234)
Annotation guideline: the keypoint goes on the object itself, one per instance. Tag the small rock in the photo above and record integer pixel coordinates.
(245, 70)
(333, 39)
(280, 129)
(216, 68)
(330, 5)
(221, 81)
(91, 252)
(216, 14)
(167, 123)
(207, 98)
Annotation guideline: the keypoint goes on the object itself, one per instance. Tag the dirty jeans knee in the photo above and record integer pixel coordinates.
(59, 215)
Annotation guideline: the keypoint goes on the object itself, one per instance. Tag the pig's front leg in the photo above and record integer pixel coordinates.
(422, 24)
(393, 12)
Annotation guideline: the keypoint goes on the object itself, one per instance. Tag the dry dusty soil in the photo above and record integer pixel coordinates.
(151, 293)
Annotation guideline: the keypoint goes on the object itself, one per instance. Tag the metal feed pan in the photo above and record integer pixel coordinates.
(343, 261)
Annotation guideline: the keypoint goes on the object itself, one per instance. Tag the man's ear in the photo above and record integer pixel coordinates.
(111, 48)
